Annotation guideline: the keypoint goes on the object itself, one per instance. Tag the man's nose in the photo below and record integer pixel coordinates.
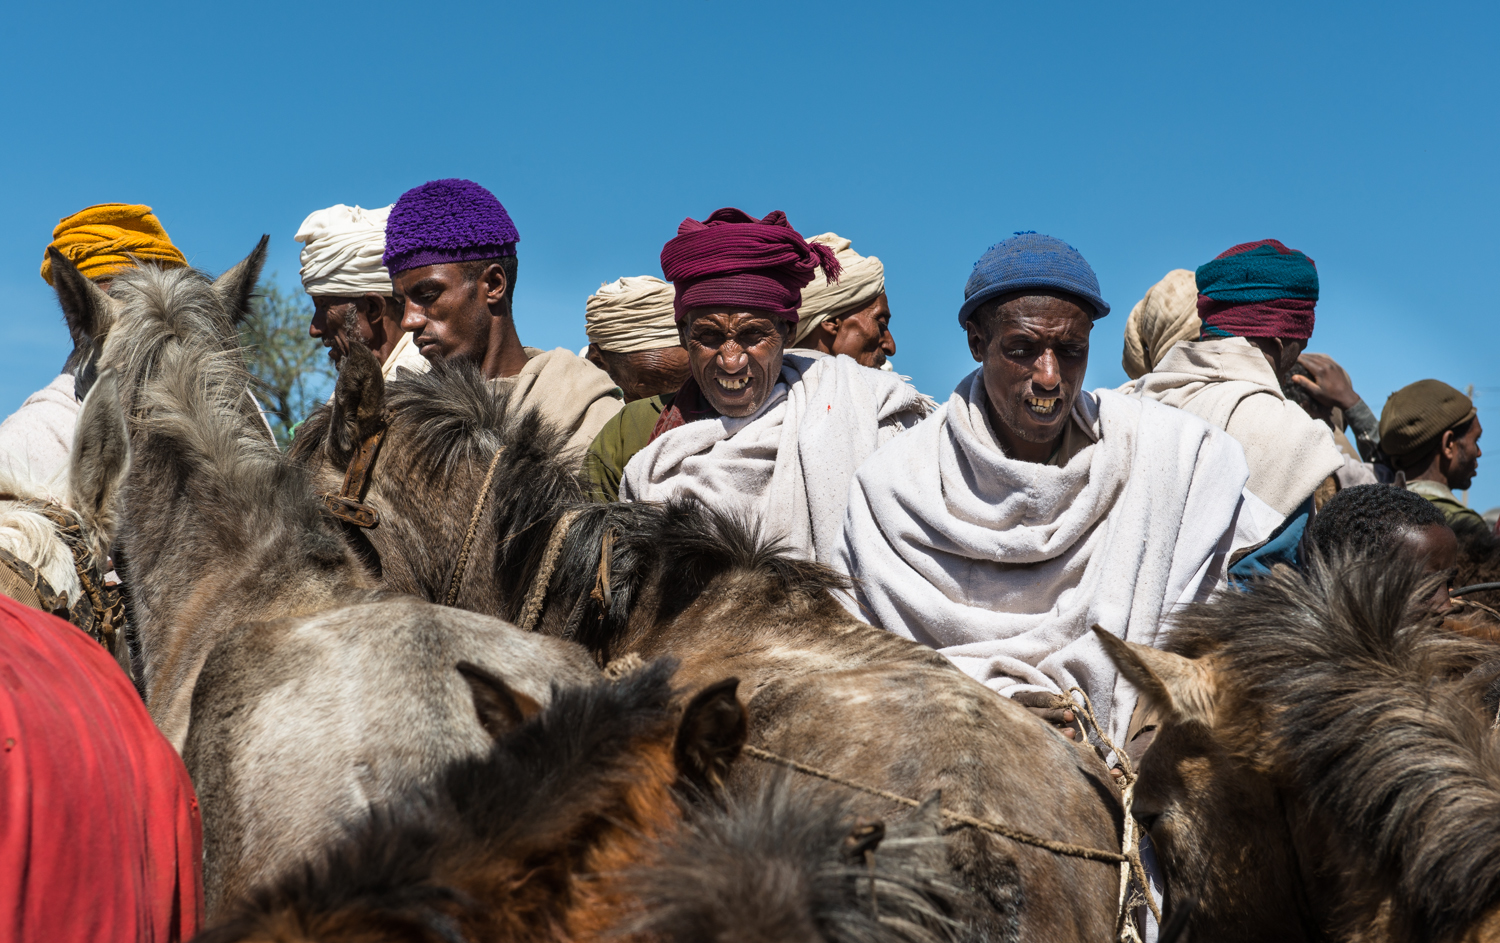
(319, 324)
(732, 357)
(888, 342)
(1045, 374)
(413, 320)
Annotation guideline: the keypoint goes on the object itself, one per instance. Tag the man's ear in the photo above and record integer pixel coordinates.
(1448, 446)
(495, 283)
(977, 343)
(714, 728)
(500, 707)
(358, 404)
(238, 284)
(99, 462)
(87, 309)
(1183, 688)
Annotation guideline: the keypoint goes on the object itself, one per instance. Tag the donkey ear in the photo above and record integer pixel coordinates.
(238, 284)
(500, 707)
(87, 309)
(713, 731)
(1182, 687)
(358, 403)
(99, 462)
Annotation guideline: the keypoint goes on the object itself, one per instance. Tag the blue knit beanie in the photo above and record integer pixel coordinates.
(1031, 260)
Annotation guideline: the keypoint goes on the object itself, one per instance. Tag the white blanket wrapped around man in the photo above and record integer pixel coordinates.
(1004, 565)
(790, 463)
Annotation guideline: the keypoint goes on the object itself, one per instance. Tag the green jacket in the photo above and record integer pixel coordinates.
(1452, 508)
(624, 435)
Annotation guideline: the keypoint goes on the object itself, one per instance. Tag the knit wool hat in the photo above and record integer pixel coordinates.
(1031, 260)
(1258, 289)
(1416, 416)
(447, 221)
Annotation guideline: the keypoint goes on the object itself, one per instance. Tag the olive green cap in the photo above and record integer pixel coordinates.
(1416, 416)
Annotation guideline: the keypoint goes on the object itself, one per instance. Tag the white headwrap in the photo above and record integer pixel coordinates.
(862, 279)
(341, 252)
(631, 314)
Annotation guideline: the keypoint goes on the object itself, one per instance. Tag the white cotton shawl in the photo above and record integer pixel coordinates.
(632, 314)
(341, 252)
(35, 440)
(1004, 565)
(404, 355)
(1230, 385)
(789, 464)
(861, 280)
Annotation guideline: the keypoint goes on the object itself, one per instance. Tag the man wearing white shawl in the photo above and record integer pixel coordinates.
(1024, 511)
(851, 316)
(351, 291)
(757, 430)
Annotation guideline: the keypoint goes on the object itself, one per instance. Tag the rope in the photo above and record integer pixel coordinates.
(533, 606)
(1005, 831)
(1476, 588)
(1131, 844)
(461, 566)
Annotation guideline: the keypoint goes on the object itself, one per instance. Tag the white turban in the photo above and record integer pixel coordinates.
(341, 252)
(860, 282)
(631, 314)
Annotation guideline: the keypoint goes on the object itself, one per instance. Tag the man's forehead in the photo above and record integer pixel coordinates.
(1044, 314)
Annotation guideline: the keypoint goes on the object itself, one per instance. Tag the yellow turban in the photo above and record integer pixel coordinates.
(103, 239)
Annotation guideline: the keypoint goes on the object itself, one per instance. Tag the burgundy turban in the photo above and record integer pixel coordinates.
(734, 259)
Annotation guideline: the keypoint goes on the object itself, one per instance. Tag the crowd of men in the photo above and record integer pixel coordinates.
(997, 526)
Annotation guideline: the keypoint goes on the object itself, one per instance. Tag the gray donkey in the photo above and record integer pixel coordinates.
(299, 692)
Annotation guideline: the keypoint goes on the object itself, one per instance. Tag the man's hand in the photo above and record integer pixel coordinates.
(1051, 708)
(1329, 383)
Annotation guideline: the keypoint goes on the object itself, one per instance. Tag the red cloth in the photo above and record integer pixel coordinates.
(732, 258)
(100, 838)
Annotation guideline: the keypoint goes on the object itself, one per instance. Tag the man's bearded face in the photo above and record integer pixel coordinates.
(333, 321)
(1035, 350)
(447, 311)
(735, 355)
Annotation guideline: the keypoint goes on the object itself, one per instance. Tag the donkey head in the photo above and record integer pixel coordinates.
(1206, 796)
(89, 313)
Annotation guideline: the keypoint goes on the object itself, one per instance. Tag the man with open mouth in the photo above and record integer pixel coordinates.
(1026, 511)
(756, 428)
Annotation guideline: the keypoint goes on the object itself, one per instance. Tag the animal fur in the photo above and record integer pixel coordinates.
(683, 581)
(1344, 783)
(298, 689)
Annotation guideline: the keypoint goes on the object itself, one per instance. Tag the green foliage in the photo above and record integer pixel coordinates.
(293, 369)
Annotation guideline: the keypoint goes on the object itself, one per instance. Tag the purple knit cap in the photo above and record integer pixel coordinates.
(449, 220)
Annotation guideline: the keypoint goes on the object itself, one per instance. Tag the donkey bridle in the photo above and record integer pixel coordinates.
(348, 503)
(104, 613)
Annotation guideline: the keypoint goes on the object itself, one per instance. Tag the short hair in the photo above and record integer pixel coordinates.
(1367, 518)
(475, 269)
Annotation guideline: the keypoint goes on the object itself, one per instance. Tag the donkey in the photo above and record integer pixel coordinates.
(54, 552)
(569, 830)
(299, 691)
(649, 580)
(1324, 769)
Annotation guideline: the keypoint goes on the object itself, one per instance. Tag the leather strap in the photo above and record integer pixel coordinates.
(348, 504)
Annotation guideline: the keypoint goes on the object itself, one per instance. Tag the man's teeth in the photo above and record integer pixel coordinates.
(1041, 405)
(733, 383)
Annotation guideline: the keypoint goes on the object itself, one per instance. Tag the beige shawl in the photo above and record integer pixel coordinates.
(569, 392)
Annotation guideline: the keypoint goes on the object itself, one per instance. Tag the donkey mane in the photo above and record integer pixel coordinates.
(185, 384)
(1363, 713)
(545, 793)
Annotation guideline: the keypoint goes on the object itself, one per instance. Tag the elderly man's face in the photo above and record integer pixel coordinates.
(865, 334)
(331, 321)
(1035, 349)
(642, 374)
(735, 355)
(449, 312)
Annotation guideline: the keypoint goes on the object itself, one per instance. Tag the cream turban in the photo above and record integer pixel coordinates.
(341, 249)
(631, 314)
(1168, 314)
(862, 279)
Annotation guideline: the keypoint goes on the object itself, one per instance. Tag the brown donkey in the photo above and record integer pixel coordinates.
(299, 691)
(1325, 768)
(569, 830)
(651, 580)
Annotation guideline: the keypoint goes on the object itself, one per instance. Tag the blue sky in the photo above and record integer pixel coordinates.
(1149, 136)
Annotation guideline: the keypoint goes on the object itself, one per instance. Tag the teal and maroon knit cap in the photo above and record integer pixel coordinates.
(449, 220)
(1258, 289)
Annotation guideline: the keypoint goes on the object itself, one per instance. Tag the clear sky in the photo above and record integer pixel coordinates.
(1150, 136)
